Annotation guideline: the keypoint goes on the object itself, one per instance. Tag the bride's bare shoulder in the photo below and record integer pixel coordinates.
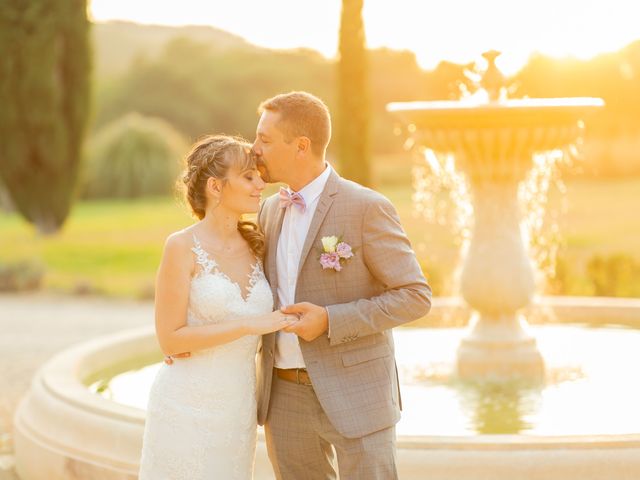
(180, 242)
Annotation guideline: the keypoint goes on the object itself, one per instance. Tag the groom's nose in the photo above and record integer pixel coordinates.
(262, 168)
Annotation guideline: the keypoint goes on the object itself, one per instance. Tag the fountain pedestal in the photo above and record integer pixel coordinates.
(499, 349)
(497, 281)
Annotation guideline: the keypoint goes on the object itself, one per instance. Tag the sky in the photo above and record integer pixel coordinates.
(454, 30)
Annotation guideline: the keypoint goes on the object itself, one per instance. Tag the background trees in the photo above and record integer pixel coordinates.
(202, 80)
(44, 92)
(353, 96)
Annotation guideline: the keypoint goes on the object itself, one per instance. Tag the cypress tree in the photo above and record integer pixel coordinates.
(44, 98)
(353, 95)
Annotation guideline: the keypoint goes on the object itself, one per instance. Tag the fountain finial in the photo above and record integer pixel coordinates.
(493, 81)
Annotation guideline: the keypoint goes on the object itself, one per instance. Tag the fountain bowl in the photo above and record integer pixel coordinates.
(497, 132)
(525, 112)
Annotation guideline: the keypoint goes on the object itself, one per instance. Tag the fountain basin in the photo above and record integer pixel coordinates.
(495, 141)
(526, 112)
(63, 431)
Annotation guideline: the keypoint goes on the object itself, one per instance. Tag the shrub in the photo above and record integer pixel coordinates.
(614, 156)
(20, 276)
(132, 157)
(615, 276)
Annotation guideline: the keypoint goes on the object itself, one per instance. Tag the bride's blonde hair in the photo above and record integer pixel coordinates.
(213, 156)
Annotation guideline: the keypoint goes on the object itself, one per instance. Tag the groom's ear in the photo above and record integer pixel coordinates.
(304, 145)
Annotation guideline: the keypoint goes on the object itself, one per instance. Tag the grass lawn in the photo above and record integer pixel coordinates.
(113, 247)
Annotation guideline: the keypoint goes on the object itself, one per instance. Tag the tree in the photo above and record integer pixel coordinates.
(5, 201)
(44, 93)
(353, 95)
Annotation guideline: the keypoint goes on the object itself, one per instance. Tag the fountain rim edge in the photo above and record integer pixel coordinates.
(518, 104)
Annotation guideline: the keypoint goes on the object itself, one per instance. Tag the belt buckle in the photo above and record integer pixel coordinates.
(298, 377)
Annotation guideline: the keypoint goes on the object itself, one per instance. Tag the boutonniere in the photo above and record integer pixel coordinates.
(335, 251)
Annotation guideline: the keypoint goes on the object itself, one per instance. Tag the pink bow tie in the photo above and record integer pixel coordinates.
(287, 199)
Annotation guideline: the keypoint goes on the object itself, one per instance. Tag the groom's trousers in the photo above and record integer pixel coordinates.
(300, 437)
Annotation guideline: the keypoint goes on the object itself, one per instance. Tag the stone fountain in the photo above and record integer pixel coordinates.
(493, 144)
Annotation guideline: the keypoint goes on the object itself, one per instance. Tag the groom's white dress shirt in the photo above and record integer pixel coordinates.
(295, 227)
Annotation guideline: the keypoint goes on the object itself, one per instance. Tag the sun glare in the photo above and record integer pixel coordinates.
(460, 31)
(456, 30)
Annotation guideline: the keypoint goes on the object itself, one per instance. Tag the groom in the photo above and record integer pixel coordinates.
(330, 379)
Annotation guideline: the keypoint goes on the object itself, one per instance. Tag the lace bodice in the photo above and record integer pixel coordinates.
(214, 296)
(201, 416)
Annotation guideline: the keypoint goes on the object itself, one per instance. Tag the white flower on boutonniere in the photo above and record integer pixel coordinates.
(335, 252)
(329, 244)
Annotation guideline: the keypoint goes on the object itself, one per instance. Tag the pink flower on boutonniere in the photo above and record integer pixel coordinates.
(335, 251)
(330, 260)
(344, 250)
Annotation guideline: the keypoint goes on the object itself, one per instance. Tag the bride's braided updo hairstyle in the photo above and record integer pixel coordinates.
(213, 156)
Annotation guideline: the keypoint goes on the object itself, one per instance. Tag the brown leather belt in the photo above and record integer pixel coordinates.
(295, 375)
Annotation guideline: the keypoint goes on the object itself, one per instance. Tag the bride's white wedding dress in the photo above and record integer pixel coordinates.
(201, 416)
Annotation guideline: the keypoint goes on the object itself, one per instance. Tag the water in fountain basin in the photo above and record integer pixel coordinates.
(589, 386)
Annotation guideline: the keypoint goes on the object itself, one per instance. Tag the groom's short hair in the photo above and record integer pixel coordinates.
(302, 115)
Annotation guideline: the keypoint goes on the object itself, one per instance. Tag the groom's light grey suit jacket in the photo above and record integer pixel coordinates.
(353, 371)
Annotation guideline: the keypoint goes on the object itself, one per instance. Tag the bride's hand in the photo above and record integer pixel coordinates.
(270, 322)
(168, 359)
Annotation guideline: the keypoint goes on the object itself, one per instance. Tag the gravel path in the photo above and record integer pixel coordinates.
(35, 327)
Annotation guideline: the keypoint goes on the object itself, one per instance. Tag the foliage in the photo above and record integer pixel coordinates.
(20, 276)
(119, 43)
(608, 275)
(200, 90)
(202, 86)
(615, 275)
(613, 134)
(133, 156)
(44, 93)
(5, 200)
(353, 96)
(612, 76)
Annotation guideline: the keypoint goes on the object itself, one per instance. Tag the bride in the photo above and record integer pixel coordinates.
(212, 299)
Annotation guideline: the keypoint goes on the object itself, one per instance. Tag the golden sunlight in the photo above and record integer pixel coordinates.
(456, 30)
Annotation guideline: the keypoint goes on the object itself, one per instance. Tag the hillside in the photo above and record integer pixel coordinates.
(117, 44)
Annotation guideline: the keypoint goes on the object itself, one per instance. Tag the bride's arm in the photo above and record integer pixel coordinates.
(172, 299)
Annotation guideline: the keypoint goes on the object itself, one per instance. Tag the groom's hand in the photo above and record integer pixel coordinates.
(313, 320)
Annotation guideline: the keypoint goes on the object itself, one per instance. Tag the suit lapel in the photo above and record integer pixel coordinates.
(324, 202)
(272, 237)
